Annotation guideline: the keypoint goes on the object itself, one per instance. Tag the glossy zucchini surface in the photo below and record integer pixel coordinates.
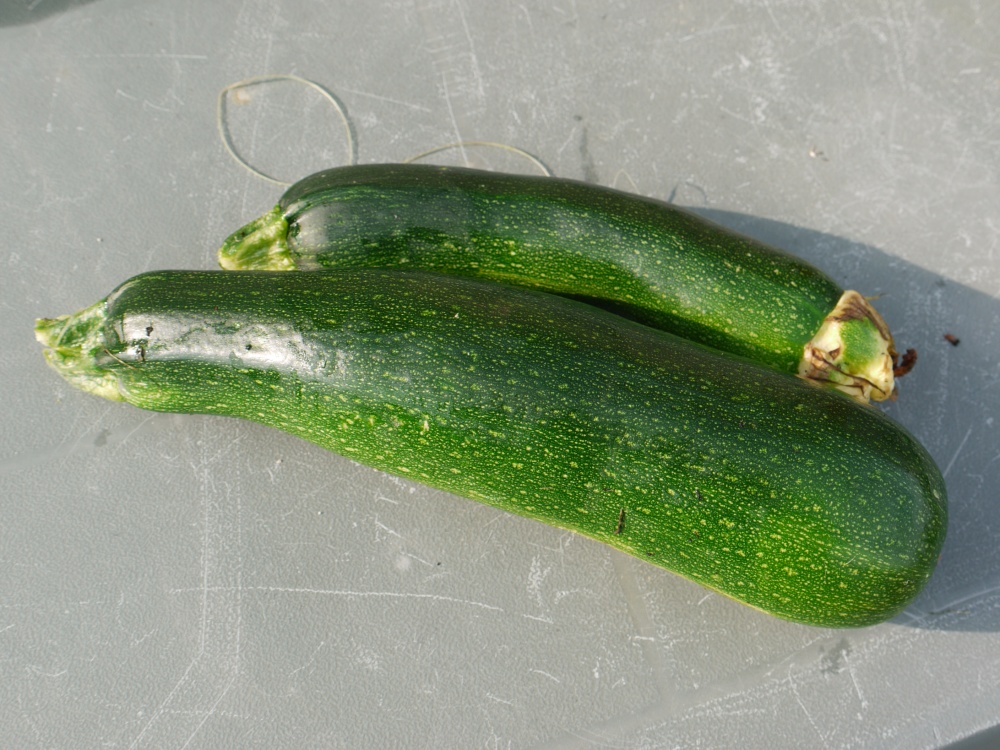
(788, 497)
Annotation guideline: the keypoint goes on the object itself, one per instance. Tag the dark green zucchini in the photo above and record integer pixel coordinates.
(639, 257)
(791, 498)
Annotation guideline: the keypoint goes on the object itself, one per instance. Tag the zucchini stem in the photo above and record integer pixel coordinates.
(259, 245)
(853, 351)
(73, 344)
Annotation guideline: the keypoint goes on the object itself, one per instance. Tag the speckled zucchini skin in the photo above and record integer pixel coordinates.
(790, 498)
(640, 257)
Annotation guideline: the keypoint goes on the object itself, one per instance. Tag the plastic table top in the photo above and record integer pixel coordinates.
(188, 581)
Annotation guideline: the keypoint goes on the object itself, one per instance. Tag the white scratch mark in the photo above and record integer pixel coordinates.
(210, 712)
(957, 451)
(344, 593)
(527, 17)
(30, 722)
(798, 698)
(387, 99)
(49, 127)
(854, 679)
(391, 532)
(138, 427)
(161, 708)
(312, 659)
(454, 122)
(476, 74)
(715, 28)
(569, 139)
(645, 629)
(965, 599)
(778, 26)
(546, 620)
(546, 674)
(536, 579)
(422, 561)
(144, 55)
(34, 669)
(157, 107)
(220, 629)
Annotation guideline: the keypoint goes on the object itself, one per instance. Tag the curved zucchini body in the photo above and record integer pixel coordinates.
(636, 256)
(790, 498)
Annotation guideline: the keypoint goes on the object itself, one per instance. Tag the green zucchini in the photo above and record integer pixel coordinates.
(791, 498)
(639, 257)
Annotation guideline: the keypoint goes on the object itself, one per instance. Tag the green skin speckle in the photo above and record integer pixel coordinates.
(639, 257)
(790, 498)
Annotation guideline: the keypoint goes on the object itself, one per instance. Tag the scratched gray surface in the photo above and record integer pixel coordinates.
(190, 582)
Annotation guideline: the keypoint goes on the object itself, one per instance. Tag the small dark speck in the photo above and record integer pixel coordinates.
(249, 347)
(952, 339)
(149, 330)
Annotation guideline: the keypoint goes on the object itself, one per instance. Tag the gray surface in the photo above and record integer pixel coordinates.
(172, 582)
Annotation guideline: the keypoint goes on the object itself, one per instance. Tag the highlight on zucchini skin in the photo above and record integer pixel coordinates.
(790, 498)
(639, 257)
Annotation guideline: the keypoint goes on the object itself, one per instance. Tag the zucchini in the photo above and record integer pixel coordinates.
(639, 257)
(790, 498)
